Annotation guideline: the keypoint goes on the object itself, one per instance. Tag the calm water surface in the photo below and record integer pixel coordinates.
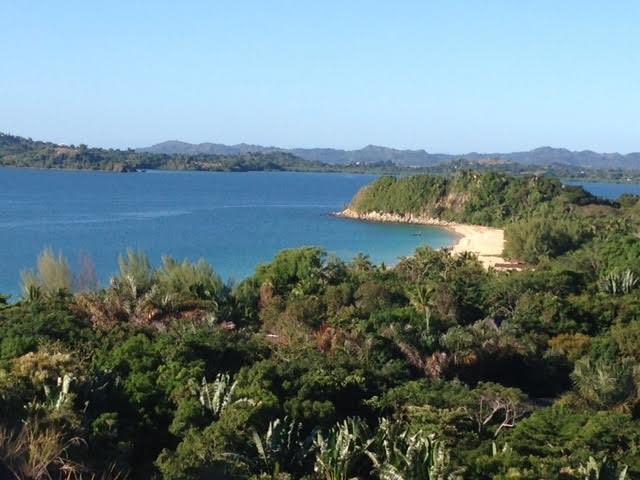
(234, 220)
(611, 190)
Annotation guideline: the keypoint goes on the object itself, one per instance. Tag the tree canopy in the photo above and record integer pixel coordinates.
(319, 368)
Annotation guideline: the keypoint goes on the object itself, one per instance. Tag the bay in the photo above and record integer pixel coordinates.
(233, 220)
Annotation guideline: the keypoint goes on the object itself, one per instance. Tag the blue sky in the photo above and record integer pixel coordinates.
(446, 76)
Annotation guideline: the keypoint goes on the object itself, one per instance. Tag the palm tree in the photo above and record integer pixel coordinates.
(132, 298)
(361, 263)
(420, 298)
(603, 383)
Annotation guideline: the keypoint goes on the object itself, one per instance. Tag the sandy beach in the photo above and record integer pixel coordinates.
(486, 242)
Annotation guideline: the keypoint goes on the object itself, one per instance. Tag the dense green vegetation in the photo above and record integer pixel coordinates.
(481, 198)
(25, 153)
(21, 152)
(556, 170)
(322, 369)
(542, 217)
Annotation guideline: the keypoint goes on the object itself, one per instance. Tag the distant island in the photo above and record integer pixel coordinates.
(20, 152)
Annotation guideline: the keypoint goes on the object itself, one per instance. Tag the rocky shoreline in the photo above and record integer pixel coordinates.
(394, 218)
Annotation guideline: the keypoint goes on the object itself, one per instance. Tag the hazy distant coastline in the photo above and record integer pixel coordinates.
(21, 152)
(409, 158)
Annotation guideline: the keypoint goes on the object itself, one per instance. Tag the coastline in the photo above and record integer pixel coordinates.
(486, 242)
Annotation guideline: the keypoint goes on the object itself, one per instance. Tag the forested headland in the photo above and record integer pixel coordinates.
(317, 368)
(541, 216)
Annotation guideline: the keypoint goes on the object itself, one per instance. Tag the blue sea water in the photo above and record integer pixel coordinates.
(610, 190)
(234, 220)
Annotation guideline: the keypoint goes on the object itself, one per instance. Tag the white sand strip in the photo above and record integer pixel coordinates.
(486, 242)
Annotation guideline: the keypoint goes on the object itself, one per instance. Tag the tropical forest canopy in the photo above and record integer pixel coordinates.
(318, 368)
(468, 196)
(542, 217)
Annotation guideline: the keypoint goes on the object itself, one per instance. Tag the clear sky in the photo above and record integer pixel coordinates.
(446, 76)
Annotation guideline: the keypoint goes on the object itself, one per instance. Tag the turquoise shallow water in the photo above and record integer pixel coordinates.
(234, 220)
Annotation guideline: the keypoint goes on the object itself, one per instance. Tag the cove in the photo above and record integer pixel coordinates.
(233, 220)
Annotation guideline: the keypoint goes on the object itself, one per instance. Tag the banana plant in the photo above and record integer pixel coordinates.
(280, 447)
(219, 395)
(505, 450)
(340, 452)
(619, 283)
(606, 470)
(401, 455)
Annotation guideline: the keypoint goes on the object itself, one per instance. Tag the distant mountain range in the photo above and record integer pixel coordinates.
(412, 158)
